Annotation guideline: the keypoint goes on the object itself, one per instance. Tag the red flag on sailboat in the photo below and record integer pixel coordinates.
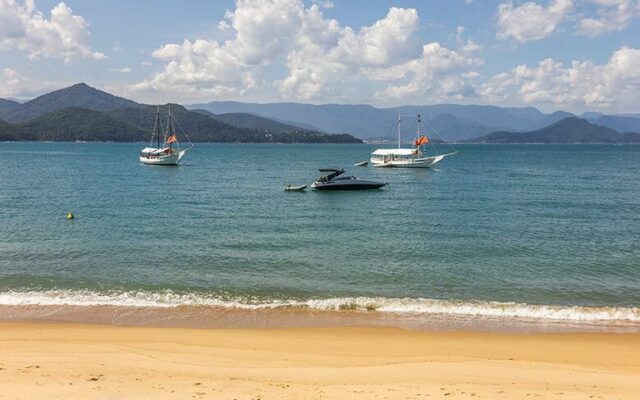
(172, 139)
(422, 140)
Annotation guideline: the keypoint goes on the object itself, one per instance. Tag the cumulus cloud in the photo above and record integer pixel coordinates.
(613, 15)
(438, 73)
(613, 85)
(530, 21)
(11, 78)
(468, 45)
(64, 35)
(319, 55)
(14, 84)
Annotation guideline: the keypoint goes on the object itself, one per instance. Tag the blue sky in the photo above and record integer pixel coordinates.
(573, 55)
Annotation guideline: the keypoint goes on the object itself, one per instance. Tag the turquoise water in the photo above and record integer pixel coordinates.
(493, 229)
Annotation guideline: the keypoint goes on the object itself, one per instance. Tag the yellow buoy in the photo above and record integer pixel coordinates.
(70, 216)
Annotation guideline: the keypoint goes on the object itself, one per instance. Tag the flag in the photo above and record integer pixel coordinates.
(171, 139)
(422, 140)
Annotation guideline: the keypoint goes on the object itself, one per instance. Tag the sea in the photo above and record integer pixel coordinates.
(495, 237)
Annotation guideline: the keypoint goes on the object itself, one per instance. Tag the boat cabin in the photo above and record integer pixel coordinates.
(386, 155)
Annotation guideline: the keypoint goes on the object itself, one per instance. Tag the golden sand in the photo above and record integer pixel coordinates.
(75, 361)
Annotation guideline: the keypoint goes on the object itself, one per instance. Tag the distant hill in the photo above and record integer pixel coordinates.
(79, 96)
(491, 116)
(71, 124)
(360, 120)
(527, 113)
(550, 119)
(568, 130)
(135, 124)
(453, 122)
(251, 121)
(8, 106)
(81, 112)
(230, 121)
(618, 123)
(200, 127)
(450, 126)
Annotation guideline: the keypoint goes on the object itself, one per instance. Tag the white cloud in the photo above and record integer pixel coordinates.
(439, 74)
(326, 4)
(123, 70)
(10, 77)
(614, 85)
(613, 15)
(14, 84)
(64, 35)
(320, 57)
(469, 45)
(530, 21)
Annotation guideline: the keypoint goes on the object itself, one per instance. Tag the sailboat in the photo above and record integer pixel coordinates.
(164, 148)
(408, 158)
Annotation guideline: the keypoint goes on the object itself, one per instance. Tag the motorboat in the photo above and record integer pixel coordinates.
(361, 164)
(333, 181)
(414, 157)
(164, 148)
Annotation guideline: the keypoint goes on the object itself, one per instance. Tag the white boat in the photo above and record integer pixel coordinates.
(290, 188)
(164, 148)
(407, 157)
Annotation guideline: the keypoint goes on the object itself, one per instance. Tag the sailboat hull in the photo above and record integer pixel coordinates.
(168, 159)
(424, 162)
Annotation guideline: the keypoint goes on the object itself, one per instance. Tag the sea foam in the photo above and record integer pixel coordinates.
(412, 306)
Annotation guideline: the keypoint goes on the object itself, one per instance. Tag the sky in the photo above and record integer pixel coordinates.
(573, 55)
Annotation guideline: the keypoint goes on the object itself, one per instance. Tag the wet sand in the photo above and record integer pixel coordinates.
(298, 317)
(80, 361)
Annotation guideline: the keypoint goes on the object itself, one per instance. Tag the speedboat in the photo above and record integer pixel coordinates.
(333, 181)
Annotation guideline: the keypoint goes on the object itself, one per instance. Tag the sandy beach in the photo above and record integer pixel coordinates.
(81, 361)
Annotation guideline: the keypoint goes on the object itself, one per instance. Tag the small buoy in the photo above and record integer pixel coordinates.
(70, 216)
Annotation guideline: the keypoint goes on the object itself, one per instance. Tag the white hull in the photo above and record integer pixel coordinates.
(424, 162)
(168, 159)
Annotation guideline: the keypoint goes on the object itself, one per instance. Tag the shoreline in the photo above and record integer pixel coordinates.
(73, 361)
(220, 317)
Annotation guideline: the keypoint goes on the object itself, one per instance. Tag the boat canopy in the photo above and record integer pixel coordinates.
(394, 152)
(153, 150)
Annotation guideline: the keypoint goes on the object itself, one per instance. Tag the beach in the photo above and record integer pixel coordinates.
(44, 360)
(520, 282)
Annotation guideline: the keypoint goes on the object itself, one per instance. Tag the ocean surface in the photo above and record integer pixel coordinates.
(538, 232)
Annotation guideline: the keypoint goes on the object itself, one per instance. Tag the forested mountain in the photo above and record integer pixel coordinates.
(569, 130)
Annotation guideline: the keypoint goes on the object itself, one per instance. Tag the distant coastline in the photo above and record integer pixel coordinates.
(82, 113)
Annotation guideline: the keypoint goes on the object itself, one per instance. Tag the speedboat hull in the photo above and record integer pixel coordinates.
(348, 185)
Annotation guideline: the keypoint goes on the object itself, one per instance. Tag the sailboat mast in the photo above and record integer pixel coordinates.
(399, 130)
(158, 124)
(170, 125)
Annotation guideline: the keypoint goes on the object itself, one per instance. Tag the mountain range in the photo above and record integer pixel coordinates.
(452, 122)
(81, 112)
(568, 130)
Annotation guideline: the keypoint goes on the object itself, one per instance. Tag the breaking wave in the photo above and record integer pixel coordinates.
(412, 306)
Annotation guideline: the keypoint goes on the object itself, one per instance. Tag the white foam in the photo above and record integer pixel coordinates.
(411, 306)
